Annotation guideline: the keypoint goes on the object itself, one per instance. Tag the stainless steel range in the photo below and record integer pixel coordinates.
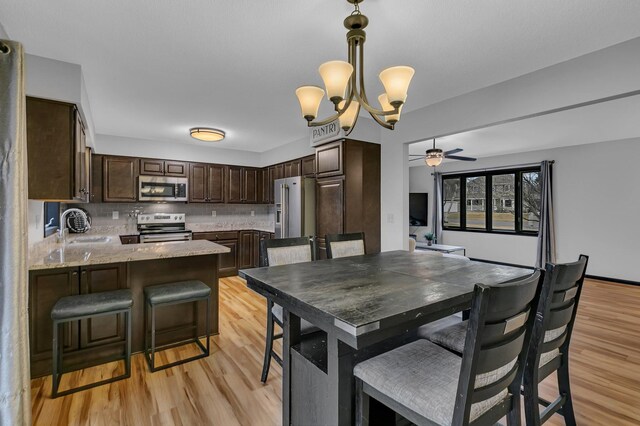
(163, 227)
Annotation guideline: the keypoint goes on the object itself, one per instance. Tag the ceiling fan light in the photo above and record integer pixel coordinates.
(434, 157)
(336, 75)
(348, 118)
(309, 98)
(386, 106)
(207, 134)
(396, 82)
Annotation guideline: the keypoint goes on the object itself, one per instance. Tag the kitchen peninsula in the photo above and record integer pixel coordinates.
(96, 263)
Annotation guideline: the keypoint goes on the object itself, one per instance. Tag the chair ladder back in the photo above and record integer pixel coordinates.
(339, 238)
(280, 243)
(555, 315)
(494, 353)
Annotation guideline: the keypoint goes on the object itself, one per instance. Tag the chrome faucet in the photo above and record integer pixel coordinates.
(63, 216)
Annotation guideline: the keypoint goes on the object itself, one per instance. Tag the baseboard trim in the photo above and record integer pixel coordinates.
(502, 263)
(613, 280)
(593, 277)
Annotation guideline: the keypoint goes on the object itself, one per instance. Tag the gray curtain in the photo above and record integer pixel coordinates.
(547, 235)
(15, 392)
(437, 207)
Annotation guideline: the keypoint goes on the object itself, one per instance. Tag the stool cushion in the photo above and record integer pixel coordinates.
(176, 292)
(91, 304)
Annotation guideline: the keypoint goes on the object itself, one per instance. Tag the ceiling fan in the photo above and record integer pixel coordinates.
(434, 156)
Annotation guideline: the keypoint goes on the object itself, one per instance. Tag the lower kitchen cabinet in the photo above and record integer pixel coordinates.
(102, 335)
(249, 249)
(227, 262)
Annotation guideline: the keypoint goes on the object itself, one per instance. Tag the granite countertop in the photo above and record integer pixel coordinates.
(48, 254)
(194, 227)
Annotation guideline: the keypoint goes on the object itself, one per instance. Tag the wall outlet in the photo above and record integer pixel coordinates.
(253, 213)
(213, 213)
(390, 218)
(115, 215)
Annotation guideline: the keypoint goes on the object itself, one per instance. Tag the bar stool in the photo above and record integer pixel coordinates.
(173, 294)
(84, 306)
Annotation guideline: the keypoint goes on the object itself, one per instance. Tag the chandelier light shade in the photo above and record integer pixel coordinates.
(384, 103)
(396, 82)
(336, 75)
(207, 134)
(348, 119)
(309, 98)
(344, 83)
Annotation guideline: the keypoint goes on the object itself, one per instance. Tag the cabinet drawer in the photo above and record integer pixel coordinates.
(214, 236)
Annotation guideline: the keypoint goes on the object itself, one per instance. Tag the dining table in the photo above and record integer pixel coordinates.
(361, 306)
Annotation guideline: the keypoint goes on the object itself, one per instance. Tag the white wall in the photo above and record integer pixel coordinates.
(597, 205)
(607, 72)
(3, 33)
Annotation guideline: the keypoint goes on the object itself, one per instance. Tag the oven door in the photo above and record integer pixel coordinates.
(160, 188)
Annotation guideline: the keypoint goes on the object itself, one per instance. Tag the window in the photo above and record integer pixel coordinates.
(451, 200)
(502, 201)
(51, 218)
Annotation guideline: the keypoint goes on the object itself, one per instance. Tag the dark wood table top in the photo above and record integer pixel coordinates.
(361, 294)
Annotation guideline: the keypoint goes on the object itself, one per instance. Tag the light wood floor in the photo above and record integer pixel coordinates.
(225, 388)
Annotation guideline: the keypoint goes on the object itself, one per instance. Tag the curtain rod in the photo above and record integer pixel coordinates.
(494, 168)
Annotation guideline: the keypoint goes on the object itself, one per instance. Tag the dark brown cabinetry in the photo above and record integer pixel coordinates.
(227, 262)
(264, 185)
(163, 167)
(207, 183)
(249, 254)
(293, 168)
(309, 166)
(348, 201)
(243, 185)
(329, 160)
(119, 179)
(98, 334)
(56, 152)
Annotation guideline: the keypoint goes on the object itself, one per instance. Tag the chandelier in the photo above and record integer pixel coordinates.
(344, 83)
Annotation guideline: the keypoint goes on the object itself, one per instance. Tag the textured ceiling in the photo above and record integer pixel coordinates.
(154, 68)
(608, 121)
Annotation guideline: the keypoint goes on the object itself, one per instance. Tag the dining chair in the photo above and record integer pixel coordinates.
(549, 347)
(343, 245)
(275, 252)
(551, 336)
(429, 385)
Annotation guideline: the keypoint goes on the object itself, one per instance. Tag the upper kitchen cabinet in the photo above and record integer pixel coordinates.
(119, 179)
(329, 160)
(153, 167)
(207, 183)
(309, 166)
(264, 185)
(243, 185)
(293, 168)
(58, 165)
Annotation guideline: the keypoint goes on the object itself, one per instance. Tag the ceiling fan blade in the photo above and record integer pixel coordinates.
(419, 158)
(457, 157)
(416, 155)
(453, 151)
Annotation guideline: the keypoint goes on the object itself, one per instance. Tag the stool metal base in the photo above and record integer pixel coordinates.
(150, 348)
(58, 355)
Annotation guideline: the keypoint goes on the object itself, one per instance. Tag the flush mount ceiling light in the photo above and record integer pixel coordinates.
(207, 134)
(344, 83)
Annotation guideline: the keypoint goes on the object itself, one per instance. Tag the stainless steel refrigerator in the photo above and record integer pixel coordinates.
(295, 200)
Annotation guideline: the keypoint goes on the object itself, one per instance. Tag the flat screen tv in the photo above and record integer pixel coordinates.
(418, 209)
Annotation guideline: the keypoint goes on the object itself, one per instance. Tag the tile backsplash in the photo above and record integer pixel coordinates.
(228, 215)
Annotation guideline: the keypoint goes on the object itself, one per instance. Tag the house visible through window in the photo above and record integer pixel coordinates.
(51, 218)
(506, 201)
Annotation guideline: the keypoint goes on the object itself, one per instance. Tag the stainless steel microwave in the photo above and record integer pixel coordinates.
(162, 188)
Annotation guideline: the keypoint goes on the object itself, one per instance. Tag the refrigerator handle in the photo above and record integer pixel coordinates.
(283, 202)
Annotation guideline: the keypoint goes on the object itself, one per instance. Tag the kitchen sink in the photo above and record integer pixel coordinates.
(90, 240)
